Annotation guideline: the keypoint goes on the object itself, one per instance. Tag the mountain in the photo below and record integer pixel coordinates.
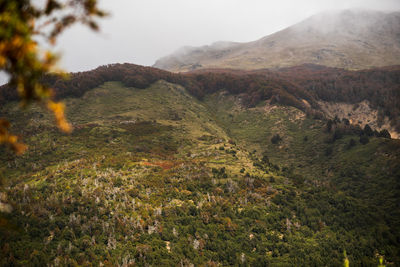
(210, 168)
(351, 39)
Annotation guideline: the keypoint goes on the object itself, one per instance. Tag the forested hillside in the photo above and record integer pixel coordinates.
(290, 86)
(197, 169)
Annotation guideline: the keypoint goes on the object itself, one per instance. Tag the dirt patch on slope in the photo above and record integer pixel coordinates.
(360, 113)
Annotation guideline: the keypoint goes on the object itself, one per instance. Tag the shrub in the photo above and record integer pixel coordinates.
(276, 139)
(265, 159)
(337, 135)
(329, 126)
(351, 143)
(364, 139)
(328, 151)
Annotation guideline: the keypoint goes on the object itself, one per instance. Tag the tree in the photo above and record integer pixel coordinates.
(385, 134)
(368, 131)
(21, 21)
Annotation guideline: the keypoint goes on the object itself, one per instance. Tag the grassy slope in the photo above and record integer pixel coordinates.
(140, 180)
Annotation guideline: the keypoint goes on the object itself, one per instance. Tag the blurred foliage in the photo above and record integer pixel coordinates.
(21, 21)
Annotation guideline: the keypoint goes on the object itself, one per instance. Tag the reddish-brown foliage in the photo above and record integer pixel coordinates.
(288, 86)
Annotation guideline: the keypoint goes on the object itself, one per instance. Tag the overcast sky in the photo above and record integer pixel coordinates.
(141, 31)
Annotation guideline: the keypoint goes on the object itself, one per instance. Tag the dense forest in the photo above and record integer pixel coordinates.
(380, 86)
(288, 86)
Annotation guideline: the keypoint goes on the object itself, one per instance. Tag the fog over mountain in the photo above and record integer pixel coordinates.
(352, 39)
(141, 32)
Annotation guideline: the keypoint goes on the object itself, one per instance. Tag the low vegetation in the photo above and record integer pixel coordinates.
(151, 175)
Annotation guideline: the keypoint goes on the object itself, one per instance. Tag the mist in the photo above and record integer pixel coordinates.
(141, 32)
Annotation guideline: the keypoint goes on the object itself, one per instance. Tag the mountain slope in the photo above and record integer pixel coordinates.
(369, 96)
(347, 39)
(155, 176)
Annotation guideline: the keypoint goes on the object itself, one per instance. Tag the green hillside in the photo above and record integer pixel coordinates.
(156, 177)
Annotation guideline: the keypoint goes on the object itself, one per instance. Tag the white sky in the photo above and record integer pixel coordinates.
(141, 31)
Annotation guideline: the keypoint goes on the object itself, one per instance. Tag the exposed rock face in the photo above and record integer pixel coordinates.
(350, 39)
(359, 113)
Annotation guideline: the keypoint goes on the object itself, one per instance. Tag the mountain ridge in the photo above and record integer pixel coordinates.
(350, 39)
(302, 87)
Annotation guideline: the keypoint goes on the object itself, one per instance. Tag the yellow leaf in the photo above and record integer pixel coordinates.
(58, 110)
(3, 61)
